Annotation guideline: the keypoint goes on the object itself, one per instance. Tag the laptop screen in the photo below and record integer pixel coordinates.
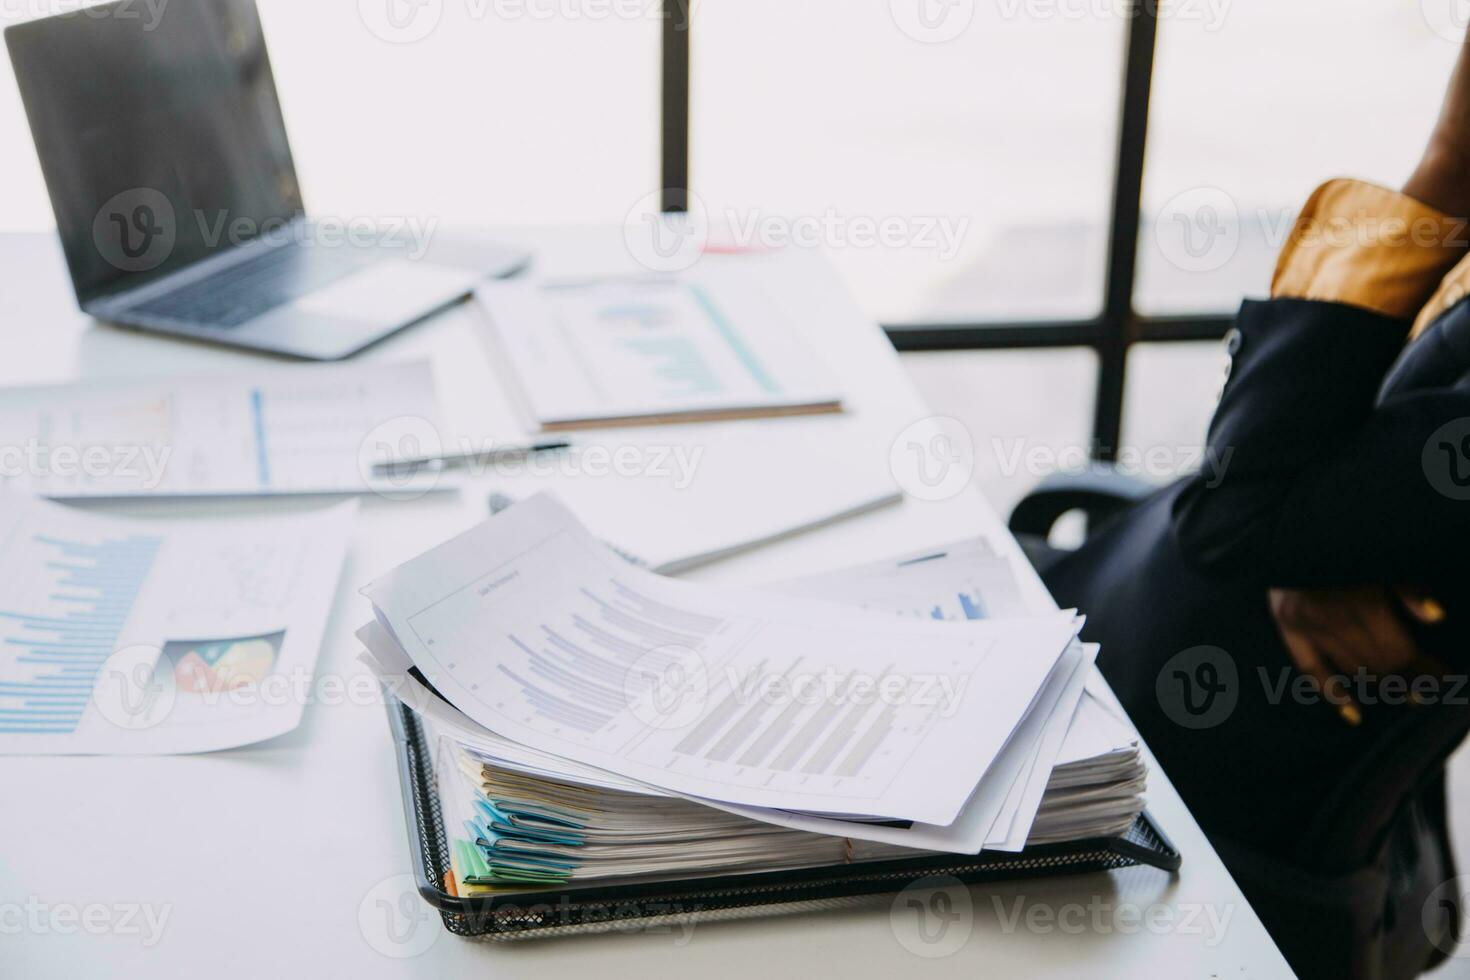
(159, 133)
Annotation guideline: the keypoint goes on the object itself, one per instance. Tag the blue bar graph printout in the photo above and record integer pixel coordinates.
(56, 631)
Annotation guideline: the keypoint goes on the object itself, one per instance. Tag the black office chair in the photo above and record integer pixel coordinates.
(1370, 893)
(1099, 494)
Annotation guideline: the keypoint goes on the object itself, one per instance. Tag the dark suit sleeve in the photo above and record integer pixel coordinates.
(1309, 480)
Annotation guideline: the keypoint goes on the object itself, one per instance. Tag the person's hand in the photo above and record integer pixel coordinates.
(1333, 634)
(1442, 178)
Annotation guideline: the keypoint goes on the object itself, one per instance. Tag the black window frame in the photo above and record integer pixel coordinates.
(1110, 334)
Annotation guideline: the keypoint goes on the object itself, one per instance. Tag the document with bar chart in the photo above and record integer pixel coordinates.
(131, 637)
(288, 430)
(617, 351)
(965, 581)
(540, 634)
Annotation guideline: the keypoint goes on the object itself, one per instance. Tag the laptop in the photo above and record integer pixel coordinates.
(166, 159)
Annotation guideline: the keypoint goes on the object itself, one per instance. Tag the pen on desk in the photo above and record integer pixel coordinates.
(505, 454)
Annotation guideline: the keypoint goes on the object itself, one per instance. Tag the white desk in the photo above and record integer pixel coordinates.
(261, 858)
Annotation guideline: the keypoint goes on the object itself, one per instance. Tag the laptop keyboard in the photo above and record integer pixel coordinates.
(243, 292)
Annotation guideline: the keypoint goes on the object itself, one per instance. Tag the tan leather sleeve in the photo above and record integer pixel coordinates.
(1454, 287)
(1368, 246)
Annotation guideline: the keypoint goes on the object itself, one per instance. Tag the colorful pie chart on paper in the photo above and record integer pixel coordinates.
(222, 665)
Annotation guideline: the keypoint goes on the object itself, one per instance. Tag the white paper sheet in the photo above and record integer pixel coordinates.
(384, 659)
(968, 581)
(1013, 829)
(286, 430)
(132, 637)
(828, 472)
(536, 631)
(974, 828)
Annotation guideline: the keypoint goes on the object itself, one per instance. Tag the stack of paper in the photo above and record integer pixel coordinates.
(598, 721)
(1095, 780)
(521, 828)
(1097, 785)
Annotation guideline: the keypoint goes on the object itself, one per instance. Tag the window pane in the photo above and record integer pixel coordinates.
(467, 113)
(1173, 390)
(827, 117)
(1027, 412)
(1255, 103)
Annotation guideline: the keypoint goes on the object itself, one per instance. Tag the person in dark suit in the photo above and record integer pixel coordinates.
(1271, 622)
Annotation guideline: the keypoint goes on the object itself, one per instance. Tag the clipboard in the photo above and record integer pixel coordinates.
(588, 909)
